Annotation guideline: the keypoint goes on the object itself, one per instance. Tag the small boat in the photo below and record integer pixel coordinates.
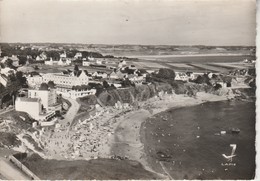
(235, 130)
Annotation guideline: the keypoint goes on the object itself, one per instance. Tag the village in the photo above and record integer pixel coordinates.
(60, 125)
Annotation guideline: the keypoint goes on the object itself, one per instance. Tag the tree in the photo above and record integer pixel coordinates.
(252, 84)
(127, 83)
(217, 86)
(20, 78)
(166, 73)
(44, 86)
(202, 79)
(12, 77)
(2, 65)
(105, 84)
(22, 60)
(76, 68)
(51, 84)
(9, 63)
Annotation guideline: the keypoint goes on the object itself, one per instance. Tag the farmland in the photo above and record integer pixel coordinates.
(195, 63)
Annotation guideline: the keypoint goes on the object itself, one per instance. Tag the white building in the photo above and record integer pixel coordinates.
(136, 79)
(85, 63)
(4, 80)
(63, 55)
(74, 94)
(41, 57)
(100, 74)
(32, 106)
(78, 55)
(121, 64)
(34, 81)
(64, 62)
(7, 71)
(66, 80)
(61, 62)
(50, 62)
(132, 67)
(98, 61)
(48, 97)
(91, 59)
(181, 76)
(39, 104)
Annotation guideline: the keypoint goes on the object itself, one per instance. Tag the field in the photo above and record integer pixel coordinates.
(194, 63)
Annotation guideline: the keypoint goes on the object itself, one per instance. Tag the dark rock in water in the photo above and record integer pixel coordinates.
(162, 156)
(235, 130)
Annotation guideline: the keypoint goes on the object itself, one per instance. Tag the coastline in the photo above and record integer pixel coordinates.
(127, 140)
(189, 55)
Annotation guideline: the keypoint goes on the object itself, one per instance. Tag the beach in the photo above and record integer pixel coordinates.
(127, 140)
(117, 131)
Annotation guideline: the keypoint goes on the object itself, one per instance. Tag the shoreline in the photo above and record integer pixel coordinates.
(127, 140)
(117, 132)
(188, 55)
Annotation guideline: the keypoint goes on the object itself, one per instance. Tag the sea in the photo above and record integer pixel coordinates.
(193, 142)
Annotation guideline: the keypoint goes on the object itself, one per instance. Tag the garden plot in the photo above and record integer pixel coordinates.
(150, 65)
(180, 65)
(229, 65)
(209, 67)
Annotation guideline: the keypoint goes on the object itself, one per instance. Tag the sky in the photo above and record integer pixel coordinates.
(148, 22)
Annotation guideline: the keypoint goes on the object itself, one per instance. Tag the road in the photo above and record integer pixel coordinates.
(7, 110)
(71, 113)
(11, 172)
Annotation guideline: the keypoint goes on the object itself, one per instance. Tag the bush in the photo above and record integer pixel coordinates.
(166, 73)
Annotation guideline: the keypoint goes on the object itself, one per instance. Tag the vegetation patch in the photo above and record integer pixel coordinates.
(9, 139)
(81, 169)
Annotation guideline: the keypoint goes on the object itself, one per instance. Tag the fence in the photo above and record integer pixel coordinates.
(23, 168)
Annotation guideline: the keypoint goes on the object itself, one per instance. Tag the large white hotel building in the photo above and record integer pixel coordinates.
(61, 80)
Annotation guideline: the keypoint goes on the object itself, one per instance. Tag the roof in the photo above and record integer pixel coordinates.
(3, 76)
(25, 99)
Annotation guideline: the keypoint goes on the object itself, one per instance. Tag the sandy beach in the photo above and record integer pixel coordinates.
(113, 130)
(127, 141)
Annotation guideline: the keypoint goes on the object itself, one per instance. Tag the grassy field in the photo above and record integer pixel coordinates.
(196, 64)
(81, 169)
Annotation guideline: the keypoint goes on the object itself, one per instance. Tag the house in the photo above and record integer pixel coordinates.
(181, 76)
(91, 59)
(98, 61)
(132, 67)
(34, 80)
(47, 95)
(63, 55)
(190, 75)
(67, 80)
(100, 74)
(62, 62)
(210, 74)
(41, 57)
(32, 106)
(4, 59)
(4, 80)
(14, 59)
(74, 94)
(38, 58)
(50, 62)
(122, 63)
(117, 75)
(136, 79)
(7, 71)
(85, 62)
(78, 55)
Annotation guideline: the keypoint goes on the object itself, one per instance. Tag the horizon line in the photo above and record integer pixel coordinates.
(128, 44)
